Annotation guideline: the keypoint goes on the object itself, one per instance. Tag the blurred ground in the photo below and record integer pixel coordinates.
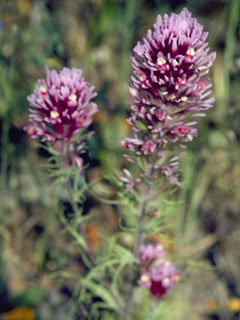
(98, 35)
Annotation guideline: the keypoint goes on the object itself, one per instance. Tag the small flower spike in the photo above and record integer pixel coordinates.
(61, 109)
(157, 272)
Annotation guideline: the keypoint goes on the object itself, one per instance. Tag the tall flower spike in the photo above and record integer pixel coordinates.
(61, 109)
(169, 87)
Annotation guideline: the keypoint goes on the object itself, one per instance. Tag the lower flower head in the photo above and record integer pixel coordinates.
(157, 272)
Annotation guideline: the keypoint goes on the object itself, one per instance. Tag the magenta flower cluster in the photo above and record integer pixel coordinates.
(170, 87)
(61, 109)
(61, 105)
(157, 272)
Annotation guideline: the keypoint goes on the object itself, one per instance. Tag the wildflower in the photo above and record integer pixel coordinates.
(157, 272)
(169, 87)
(61, 109)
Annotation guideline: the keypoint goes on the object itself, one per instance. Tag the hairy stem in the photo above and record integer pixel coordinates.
(130, 293)
(89, 252)
(74, 205)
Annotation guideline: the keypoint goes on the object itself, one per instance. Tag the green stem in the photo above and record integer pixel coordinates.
(74, 205)
(62, 157)
(130, 294)
(144, 212)
(89, 252)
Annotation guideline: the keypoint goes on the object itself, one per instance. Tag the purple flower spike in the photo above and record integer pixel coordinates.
(61, 105)
(170, 87)
(157, 272)
(61, 109)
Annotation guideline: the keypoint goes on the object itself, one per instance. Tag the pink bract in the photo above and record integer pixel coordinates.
(61, 105)
(61, 109)
(157, 272)
(170, 87)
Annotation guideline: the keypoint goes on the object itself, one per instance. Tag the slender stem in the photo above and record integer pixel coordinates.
(129, 300)
(130, 293)
(89, 252)
(74, 205)
(154, 309)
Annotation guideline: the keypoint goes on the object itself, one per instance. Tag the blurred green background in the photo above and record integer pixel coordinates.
(97, 36)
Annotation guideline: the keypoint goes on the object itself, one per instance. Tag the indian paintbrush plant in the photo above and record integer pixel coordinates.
(61, 110)
(170, 89)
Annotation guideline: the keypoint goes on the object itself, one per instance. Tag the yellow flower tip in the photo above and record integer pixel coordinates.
(161, 61)
(43, 89)
(166, 281)
(72, 97)
(184, 98)
(174, 62)
(54, 114)
(145, 278)
(191, 52)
